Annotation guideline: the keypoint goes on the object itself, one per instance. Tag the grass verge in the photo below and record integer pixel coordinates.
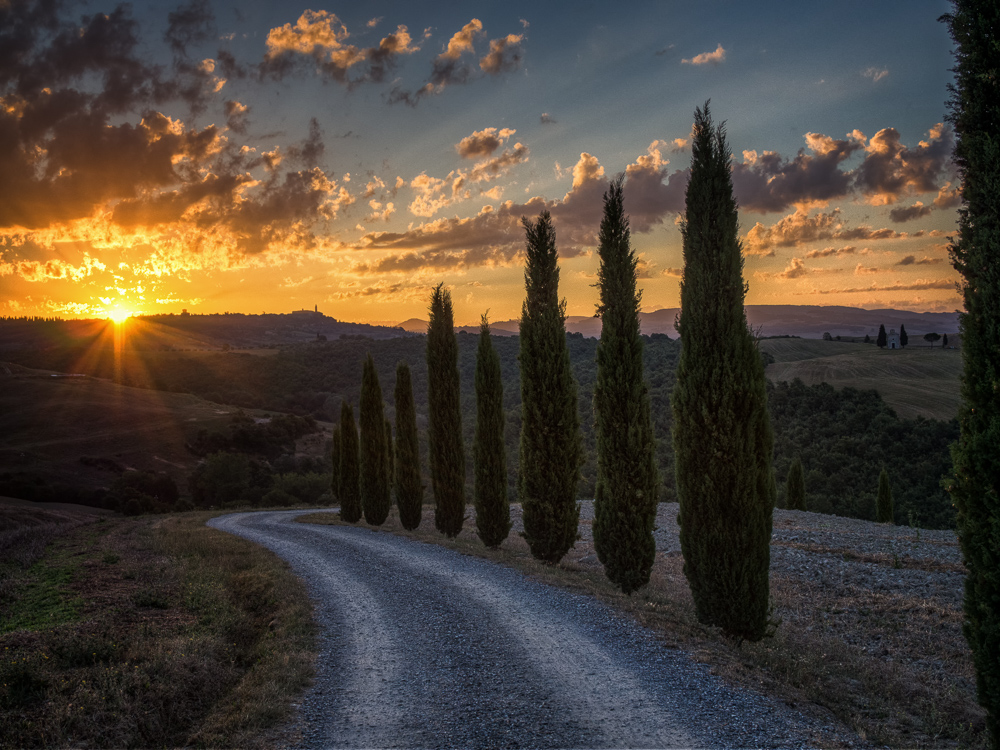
(893, 668)
(151, 632)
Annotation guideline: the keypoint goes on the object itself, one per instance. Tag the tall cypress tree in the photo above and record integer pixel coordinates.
(390, 458)
(722, 432)
(795, 486)
(489, 452)
(375, 500)
(447, 453)
(627, 480)
(409, 487)
(883, 503)
(551, 448)
(882, 338)
(335, 461)
(975, 488)
(903, 338)
(350, 489)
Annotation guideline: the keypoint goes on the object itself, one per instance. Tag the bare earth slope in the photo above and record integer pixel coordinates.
(423, 647)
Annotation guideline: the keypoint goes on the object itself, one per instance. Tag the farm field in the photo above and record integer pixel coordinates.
(918, 381)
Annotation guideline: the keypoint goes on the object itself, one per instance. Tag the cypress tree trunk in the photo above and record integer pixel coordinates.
(374, 463)
(883, 504)
(795, 487)
(335, 461)
(550, 450)
(350, 489)
(722, 432)
(447, 453)
(489, 451)
(627, 480)
(409, 488)
(975, 488)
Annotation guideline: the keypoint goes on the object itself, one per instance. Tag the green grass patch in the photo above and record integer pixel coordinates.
(181, 636)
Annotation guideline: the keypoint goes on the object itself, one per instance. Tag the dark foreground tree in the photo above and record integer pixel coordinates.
(375, 499)
(882, 339)
(551, 448)
(883, 502)
(350, 490)
(722, 431)
(409, 486)
(795, 487)
(335, 461)
(975, 113)
(627, 479)
(447, 453)
(390, 458)
(489, 452)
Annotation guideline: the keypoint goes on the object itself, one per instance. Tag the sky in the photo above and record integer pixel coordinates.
(257, 157)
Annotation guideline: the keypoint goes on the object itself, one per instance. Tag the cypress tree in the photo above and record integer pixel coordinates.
(409, 488)
(722, 431)
(903, 338)
(390, 458)
(447, 453)
(375, 500)
(795, 487)
(882, 339)
(335, 462)
(551, 448)
(350, 490)
(489, 454)
(627, 480)
(975, 487)
(883, 504)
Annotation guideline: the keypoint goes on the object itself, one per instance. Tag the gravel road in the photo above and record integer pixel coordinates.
(424, 647)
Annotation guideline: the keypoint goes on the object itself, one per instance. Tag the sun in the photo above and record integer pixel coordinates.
(119, 316)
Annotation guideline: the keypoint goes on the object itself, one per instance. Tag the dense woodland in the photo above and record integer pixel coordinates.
(843, 437)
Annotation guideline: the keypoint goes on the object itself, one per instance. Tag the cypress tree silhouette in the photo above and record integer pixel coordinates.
(489, 452)
(882, 338)
(975, 487)
(447, 453)
(375, 500)
(795, 487)
(722, 431)
(550, 449)
(350, 490)
(903, 338)
(335, 461)
(883, 504)
(409, 487)
(627, 480)
(390, 458)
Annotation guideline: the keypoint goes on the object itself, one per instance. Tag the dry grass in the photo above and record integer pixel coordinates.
(893, 667)
(916, 381)
(152, 632)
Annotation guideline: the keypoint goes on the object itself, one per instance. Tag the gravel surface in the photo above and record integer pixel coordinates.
(424, 647)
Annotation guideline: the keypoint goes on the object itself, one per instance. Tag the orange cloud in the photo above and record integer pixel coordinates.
(707, 57)
(483, 142)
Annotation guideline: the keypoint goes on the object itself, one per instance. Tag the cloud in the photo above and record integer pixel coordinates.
(504, 56)
(916, 211)
(911, 260)
(948, 197)
(236, 116)
(795, 269)
(707, 57)
(860, 270)
(891, 169)
(918, 285)
(801, 227)
(826, 252)
(462, 41)
(876, 74)
(190, 23)
(434, 193)
(35, 271)
(483, 142)
(547, 119)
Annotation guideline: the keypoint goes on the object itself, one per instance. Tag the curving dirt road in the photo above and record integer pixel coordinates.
(423, 647)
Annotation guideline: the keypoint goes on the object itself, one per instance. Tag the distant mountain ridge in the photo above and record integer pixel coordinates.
(807, 321)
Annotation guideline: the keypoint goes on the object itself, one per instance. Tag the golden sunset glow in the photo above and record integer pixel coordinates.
(294, 157)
